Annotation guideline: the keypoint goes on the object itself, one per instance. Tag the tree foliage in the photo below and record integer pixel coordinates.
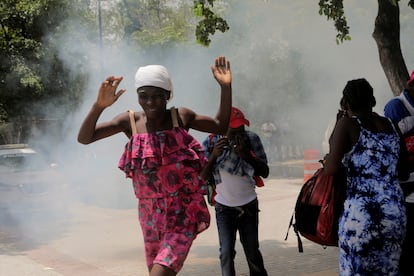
(161, 25)
(210, 22)
(43, 71)
(334, 10)
(35, 82)
(31, 70)
(145, 24)
(386, 33)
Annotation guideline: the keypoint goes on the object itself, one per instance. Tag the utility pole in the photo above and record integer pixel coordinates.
(100, 37)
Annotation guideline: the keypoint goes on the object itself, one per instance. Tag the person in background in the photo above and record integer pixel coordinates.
(163, 159)
(235, 161)
(400, 110)
(268, 130)
(373, 224)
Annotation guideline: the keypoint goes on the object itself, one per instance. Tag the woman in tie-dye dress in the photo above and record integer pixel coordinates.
(372, 226)
(163, 160)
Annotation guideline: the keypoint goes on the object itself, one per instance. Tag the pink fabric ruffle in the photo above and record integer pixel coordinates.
(164, 163)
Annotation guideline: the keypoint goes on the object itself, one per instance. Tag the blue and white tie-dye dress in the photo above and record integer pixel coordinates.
(372, 227)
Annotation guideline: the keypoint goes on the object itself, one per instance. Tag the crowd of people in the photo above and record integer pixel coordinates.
(172, 173)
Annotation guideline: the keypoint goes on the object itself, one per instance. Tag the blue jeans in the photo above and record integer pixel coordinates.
(244, 219)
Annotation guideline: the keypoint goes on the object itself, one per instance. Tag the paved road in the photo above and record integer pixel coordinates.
(94, 241)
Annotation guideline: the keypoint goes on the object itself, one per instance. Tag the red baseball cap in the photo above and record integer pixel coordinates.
(237, 118)
(411, 78)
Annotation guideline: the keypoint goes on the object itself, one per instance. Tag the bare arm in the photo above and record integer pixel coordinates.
(219, 124)
(339, 144)
(90, 131)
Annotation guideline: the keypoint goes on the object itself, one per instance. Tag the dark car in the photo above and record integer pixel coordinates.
(28, 182)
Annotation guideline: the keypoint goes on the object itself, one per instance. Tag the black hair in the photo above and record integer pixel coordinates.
(342, 104)
(358, 95)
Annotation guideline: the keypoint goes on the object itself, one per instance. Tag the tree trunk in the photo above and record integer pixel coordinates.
(387, 36)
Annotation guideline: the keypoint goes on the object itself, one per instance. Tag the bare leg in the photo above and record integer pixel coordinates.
(160, 270)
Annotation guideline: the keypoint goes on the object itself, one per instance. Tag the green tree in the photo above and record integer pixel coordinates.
(145, 24)
(210, 22)
(32, 42)
(31, 70)
(386, 33)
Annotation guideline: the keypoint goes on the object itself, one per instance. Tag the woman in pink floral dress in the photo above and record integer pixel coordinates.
(162, 159)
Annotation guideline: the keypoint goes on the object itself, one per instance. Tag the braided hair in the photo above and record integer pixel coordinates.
(358, 95)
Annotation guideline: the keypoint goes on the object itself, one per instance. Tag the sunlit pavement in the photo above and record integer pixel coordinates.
(101, 241)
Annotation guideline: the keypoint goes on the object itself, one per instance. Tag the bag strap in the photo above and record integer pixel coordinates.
(210, 142)
(132, 121)
(300, 245)
(174, 117)
(295, 229)
(407, 105)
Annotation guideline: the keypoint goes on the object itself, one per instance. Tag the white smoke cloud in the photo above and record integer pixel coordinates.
(91, 171)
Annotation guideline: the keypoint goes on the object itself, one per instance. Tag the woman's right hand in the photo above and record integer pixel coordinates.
(107, 94)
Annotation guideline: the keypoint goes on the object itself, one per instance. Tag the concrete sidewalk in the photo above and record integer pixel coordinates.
(276, 200)
(103, 241)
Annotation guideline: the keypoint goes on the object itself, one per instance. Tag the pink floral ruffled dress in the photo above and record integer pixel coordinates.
(165, 169)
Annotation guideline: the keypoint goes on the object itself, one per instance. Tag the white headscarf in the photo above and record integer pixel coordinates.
(154, 75)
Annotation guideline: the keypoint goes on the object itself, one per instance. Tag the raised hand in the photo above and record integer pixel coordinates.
(221, 71)
(107, 94)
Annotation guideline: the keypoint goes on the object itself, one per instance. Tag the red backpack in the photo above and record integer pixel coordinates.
(318, 208)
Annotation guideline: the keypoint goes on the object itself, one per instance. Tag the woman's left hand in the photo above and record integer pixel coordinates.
(221, 71)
